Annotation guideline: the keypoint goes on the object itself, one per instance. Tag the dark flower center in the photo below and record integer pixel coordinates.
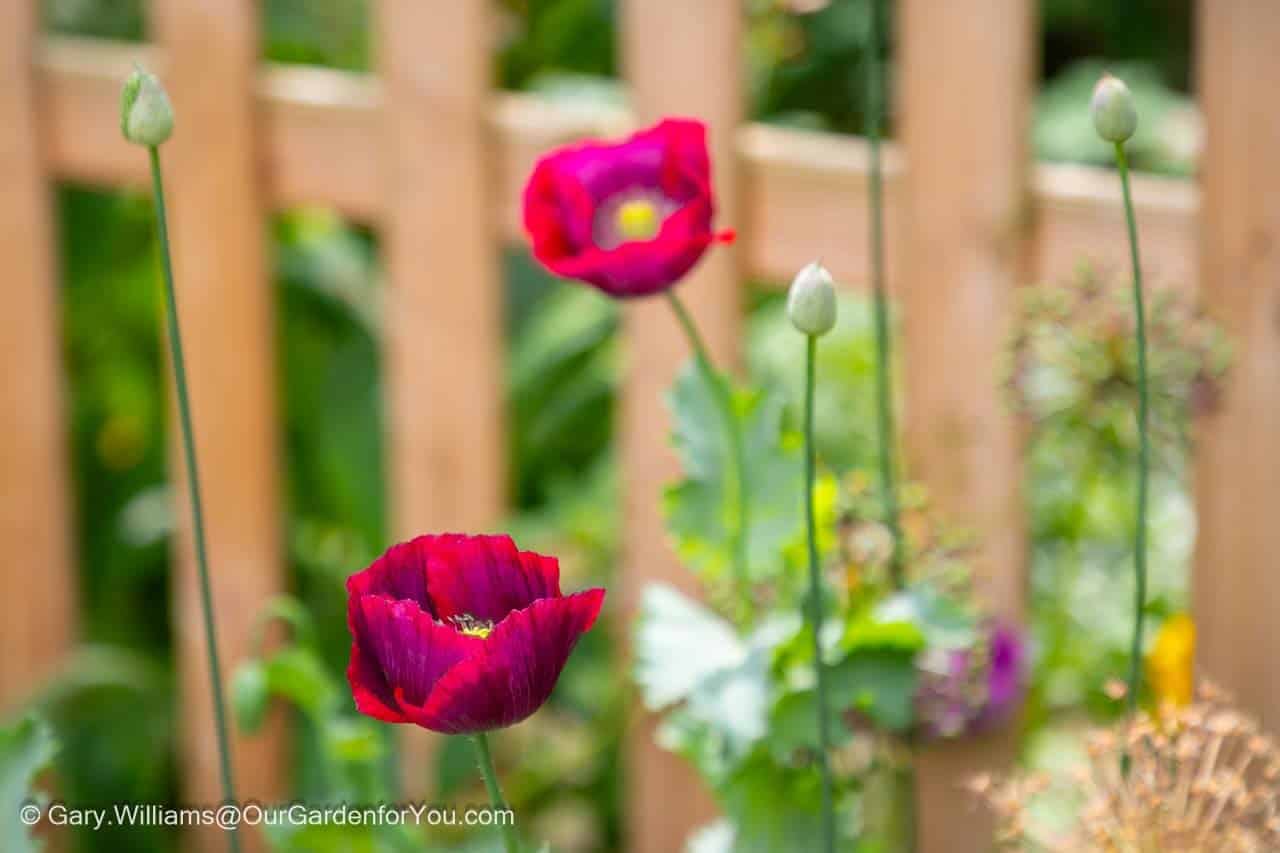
(471, 626)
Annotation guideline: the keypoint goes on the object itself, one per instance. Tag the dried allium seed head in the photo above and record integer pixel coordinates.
(1202, 780)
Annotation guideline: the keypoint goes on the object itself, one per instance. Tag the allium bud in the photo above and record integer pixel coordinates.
(1114, 115)
(811, 301)
(146, 117)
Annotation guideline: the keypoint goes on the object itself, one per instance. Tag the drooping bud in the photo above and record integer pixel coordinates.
(146, 116)
(811, 301)
(1114, 115)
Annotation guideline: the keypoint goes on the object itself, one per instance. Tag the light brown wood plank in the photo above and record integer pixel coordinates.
(966, 83)
(225, 297)
(1236, 582)
(444, 348)
(37, 626)
(803, 193)
(680, 58)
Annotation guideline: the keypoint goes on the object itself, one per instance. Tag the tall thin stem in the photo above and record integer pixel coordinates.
(193, 489)
(884, 393)
(815, 604)
(737, 451)
(509, 840)
(1144, 441)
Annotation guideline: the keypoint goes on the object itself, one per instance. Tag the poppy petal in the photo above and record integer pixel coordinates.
(514, 672)
(399, 651)
(486, 577)
(400, 573)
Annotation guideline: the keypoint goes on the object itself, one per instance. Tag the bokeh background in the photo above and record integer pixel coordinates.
(114, 710)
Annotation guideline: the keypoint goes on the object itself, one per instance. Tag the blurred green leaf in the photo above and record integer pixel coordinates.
(880, 682)
(250, 693)
(699, 508)
(679, 645)
(26, 748)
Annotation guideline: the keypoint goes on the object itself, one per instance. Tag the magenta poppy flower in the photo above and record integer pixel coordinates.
(630, 217)
(461, 634)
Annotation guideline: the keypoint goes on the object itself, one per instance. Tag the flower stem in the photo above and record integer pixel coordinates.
(815, 604)
(193, 488)
(733, 431)
(884, 394)
(1144, 442)
(509, 841)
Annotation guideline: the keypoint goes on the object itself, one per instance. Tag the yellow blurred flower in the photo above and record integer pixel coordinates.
(1171, 661)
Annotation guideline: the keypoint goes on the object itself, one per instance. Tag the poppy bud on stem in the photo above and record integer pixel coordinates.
(811, 305)
(1115, 119)
(146, 118)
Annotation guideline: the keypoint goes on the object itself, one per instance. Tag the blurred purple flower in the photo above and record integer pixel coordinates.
(970, 690)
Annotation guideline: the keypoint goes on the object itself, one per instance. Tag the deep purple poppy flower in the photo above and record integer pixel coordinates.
(970, 690)
(631, 217)
(461, 634)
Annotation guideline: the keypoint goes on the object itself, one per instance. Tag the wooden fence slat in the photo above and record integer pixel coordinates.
(444, 352)
(966, 86)
(225, 297)
(803, 195)
(680, 58)
(38, 623)
(1236, 581)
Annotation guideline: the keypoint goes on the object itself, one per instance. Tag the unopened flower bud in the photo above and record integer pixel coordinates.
(146, 117)
(811, 301)
(1114, 115)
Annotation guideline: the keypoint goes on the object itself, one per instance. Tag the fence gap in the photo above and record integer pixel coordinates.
(680, 58)
(444, 332)
(1236, 580)
(38, 623)
(219, 228)
(966, 87)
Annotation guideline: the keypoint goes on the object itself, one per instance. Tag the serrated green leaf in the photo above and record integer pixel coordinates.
(679, 645)
(879, 682)
(793, 725)
(702, 508)
(772, 808)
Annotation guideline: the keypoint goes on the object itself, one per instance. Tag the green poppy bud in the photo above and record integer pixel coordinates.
(146, 117)
(1114, 115)
(811, 301)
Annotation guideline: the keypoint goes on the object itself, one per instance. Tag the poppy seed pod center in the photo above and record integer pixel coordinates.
(638, 219)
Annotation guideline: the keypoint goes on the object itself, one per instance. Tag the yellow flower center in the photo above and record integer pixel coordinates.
(638, 219)
(471, 626)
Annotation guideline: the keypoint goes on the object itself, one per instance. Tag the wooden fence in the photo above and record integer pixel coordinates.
(432, 156)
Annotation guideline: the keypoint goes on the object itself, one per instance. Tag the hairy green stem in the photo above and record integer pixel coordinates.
(193, 489)
(509, 840)
(815, 604)
(733, 432)
(884, 394)
(1144, 441)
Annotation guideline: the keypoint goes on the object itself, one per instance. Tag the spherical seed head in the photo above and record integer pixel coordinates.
(1114, 115)
(146, 116)
(811, 301)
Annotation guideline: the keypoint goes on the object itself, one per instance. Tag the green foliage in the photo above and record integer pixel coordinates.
(700, 508)
(27, 747)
